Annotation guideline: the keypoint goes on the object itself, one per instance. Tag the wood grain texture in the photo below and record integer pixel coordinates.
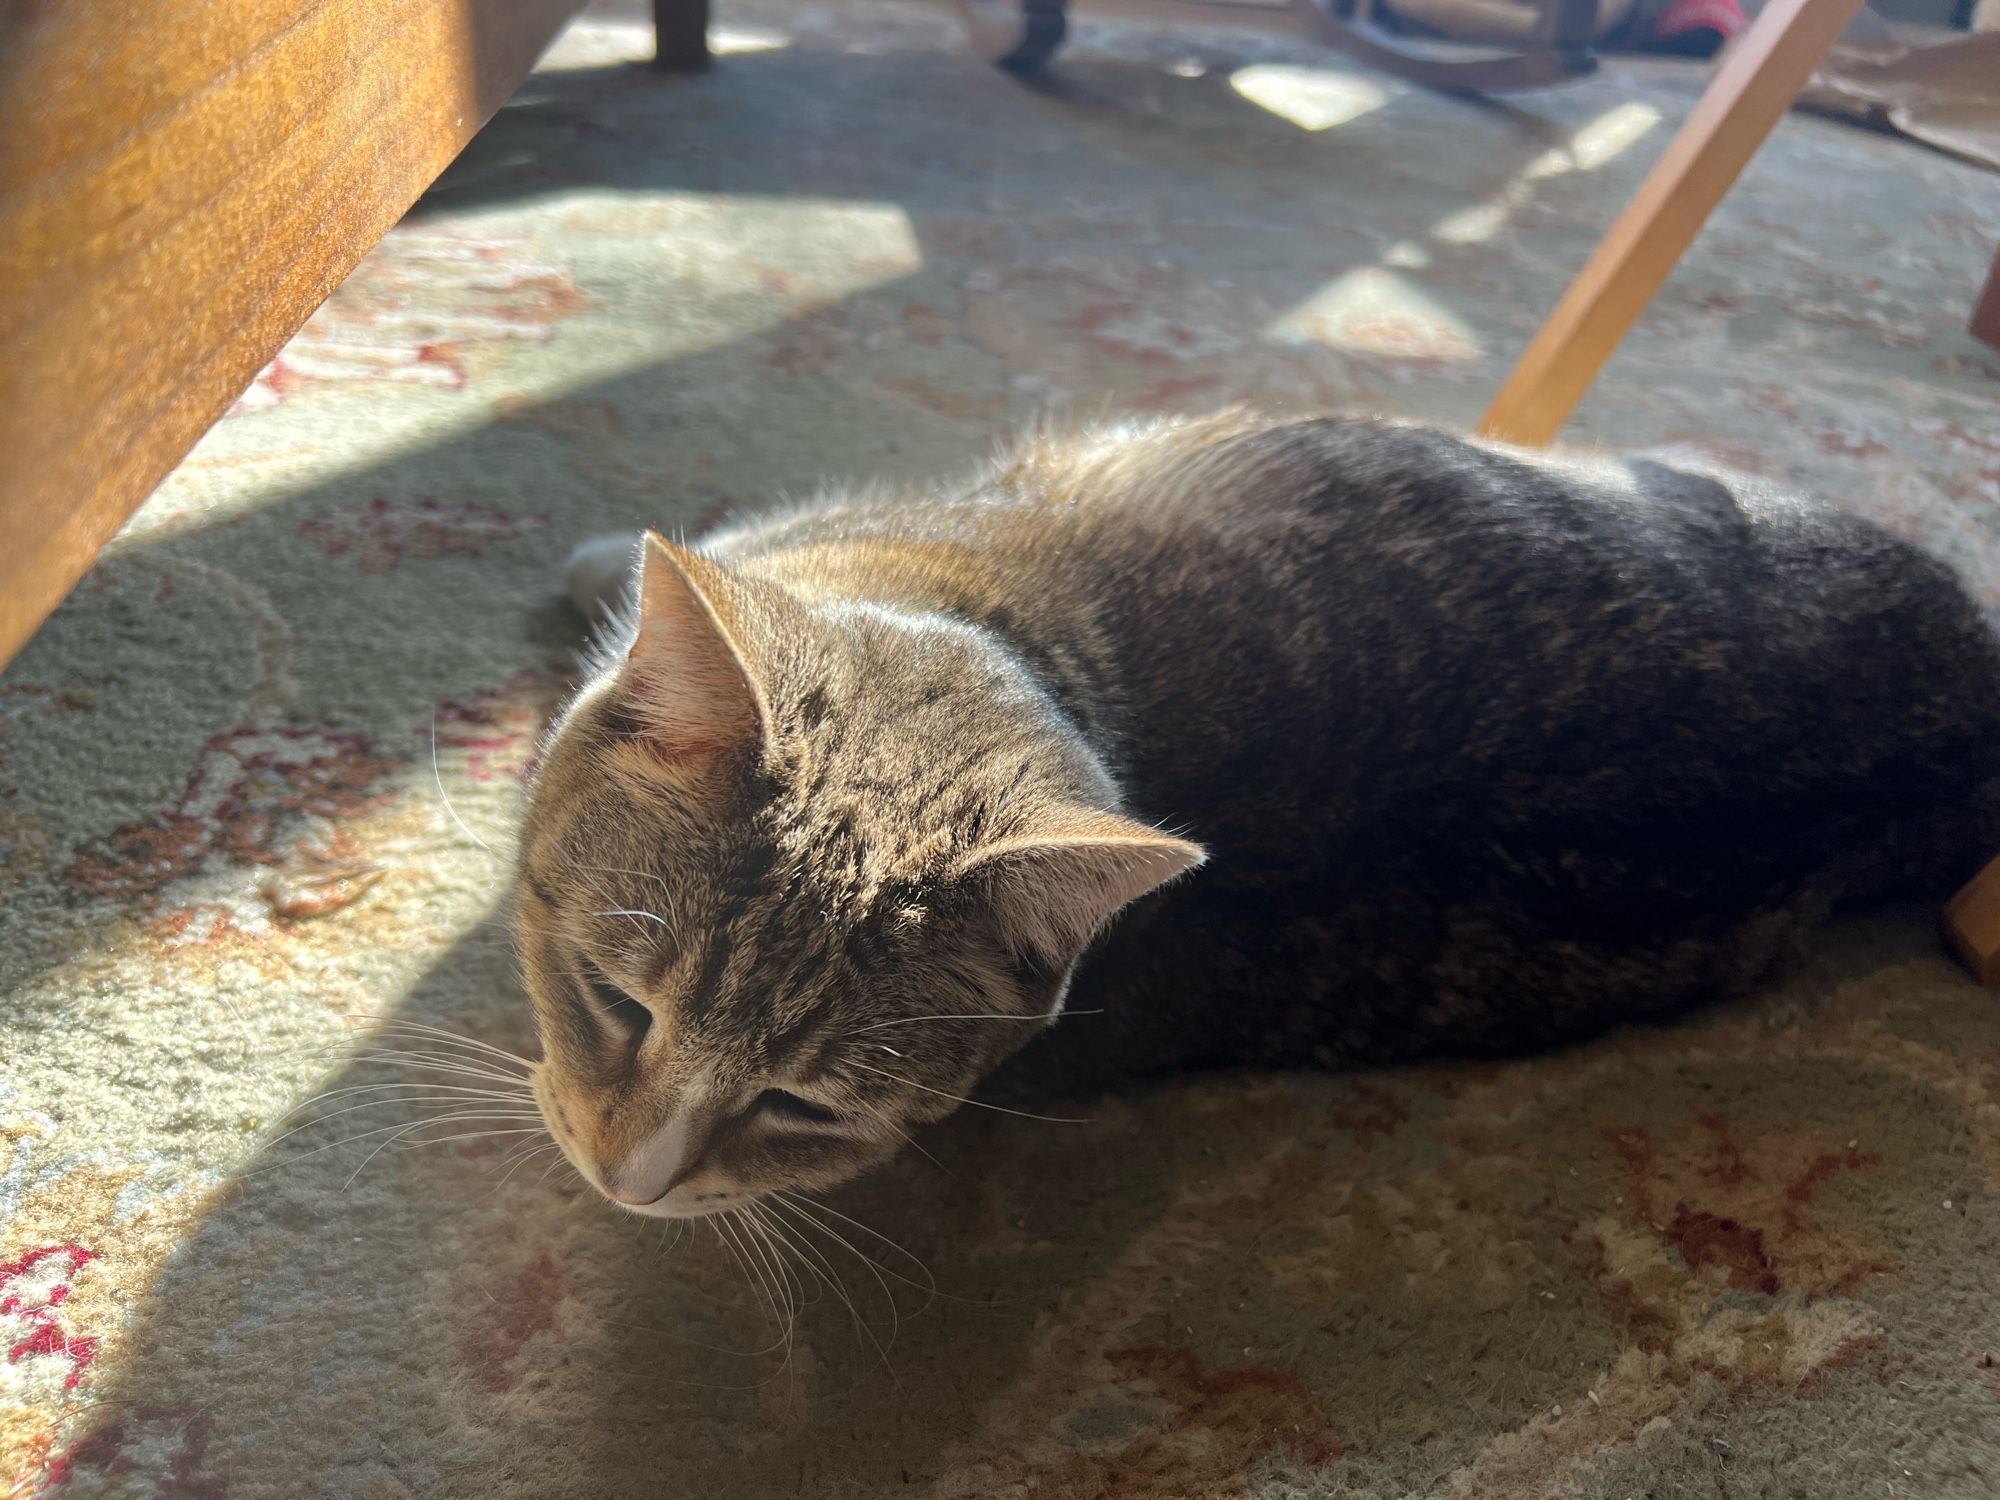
(1986, 312)
(1972, 924)
(1751, 91)
(180, 186)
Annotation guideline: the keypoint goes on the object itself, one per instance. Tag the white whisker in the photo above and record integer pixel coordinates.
(727, 1222)
(344, 1052)
(445, 797)
(520, 1157)
(974, 1016)
(774, 1235)
(428, 1062)
(673, 1234)
(811, 1210)
(779, 1279)
(463, 1135)
(830, 1278)
(440, 1140)
(667, 893)
(729, 1242)
(666, 890)
(454, 1101)
(437, 1062)
(753, 1215)
(505, 1096)
(445, 1119)
(876, 1117)
(975, 1103)
(404, 1023)
(390, 1021)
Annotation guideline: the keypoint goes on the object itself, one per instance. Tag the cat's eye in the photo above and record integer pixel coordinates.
(624, 1017)
(786, 1105)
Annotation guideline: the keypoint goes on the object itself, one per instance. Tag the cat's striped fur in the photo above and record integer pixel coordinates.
(1394, 742)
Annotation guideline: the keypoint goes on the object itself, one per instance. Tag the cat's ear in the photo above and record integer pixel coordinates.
(1051, 890)
(685, 684)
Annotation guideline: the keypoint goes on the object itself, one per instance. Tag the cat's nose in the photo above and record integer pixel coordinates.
(646, 1171)
(634, 1194)
(639, 1180)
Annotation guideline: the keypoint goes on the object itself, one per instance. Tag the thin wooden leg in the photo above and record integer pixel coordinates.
(1751, 91)
(680, 35)
(1986, 316)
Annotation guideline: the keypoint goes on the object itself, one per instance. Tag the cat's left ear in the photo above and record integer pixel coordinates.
(1051, 891)
(686, 682)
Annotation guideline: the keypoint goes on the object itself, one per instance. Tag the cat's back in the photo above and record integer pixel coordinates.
(1243, 484)
(1382, 526)
(1378, 563)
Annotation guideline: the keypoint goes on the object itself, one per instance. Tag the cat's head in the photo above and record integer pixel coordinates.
(793, 879)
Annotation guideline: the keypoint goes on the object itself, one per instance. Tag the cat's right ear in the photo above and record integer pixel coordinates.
(1052, 890)
(686, 687)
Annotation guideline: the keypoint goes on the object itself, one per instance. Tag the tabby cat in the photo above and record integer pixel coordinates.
(1301, 742)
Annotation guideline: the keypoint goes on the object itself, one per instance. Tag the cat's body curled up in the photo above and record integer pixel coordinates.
(1392, 742)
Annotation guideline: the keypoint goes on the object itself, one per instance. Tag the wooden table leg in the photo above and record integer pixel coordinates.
(1753, 88)
(680, 35)
(1986, 316)
(164, 234)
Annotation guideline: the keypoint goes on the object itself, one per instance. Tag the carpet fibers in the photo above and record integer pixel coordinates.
(258, 779)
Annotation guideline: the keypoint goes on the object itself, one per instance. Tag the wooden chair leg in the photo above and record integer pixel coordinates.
(1986, 316)
(680, 35)
(1751, 91)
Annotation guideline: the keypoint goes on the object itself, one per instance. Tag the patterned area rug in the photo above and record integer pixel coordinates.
(258, 777)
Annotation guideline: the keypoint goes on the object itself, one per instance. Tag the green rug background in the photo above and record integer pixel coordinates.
(1757, 1254)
